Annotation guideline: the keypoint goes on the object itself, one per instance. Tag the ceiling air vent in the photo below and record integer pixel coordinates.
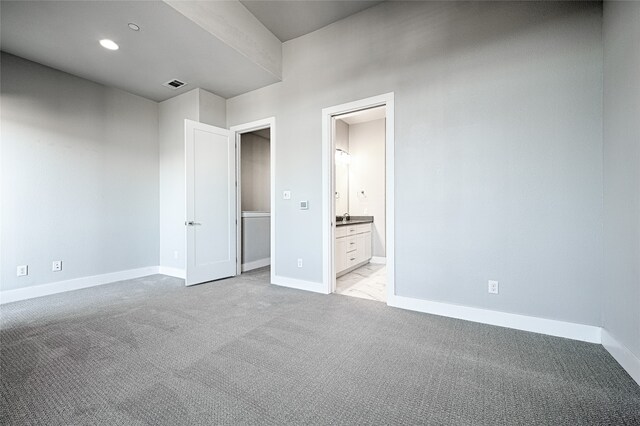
(174, 84)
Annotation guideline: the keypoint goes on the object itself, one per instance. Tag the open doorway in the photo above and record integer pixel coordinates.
(358, 209)
(360, 196)
(255, 144)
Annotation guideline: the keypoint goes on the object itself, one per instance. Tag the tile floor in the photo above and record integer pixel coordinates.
(366, 282)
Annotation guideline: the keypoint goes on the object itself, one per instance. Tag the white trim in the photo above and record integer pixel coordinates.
(260, 263)
(24, 293)
(378, 260)
(264, 123)
(569, 330)
(622, 354)
(328, 210)
(298, 284)
(172, 272)
(256, 214)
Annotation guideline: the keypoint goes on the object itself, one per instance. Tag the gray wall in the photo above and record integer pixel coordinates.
(367, 173)
(498, 147)
(197, 105)
(621, 289)
(79, 176)
(173, 112)
(256, 173)
(256, 238)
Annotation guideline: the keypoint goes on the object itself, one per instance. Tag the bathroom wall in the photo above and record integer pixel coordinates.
(367, 194)
(342, 169)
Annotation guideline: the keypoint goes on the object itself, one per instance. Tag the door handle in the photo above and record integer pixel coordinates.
(192, 223)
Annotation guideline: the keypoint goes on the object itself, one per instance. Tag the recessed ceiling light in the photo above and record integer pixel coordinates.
(109, 44)
(134, 27)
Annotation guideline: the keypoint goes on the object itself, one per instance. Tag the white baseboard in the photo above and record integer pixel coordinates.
(298, 284)
(379, 260)
(569, 330)
(172, 272)
(17, 294)
(260, 263)
(622, 354)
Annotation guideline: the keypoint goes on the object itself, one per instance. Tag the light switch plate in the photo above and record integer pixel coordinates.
(286, 195)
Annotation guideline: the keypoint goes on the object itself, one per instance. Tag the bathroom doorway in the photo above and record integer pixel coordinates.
(358, 195)
(254, 179)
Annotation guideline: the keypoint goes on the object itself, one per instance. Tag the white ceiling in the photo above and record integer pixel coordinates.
(290, 19)
(64, 35)
(365, 115)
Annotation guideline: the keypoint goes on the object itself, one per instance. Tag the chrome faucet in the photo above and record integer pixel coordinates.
(345, 217)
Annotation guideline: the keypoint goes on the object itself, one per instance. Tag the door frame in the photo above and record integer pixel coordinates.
(328, 187)
(239, 130)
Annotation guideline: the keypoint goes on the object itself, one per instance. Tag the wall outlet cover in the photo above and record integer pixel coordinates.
(56, 266)
(286, 195)
(22, 270)
(492, 287)
(299, 263)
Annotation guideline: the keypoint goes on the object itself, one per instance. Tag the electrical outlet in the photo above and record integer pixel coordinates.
(23, 270)
(299, 263)
(493, 287)
(56, 266)
(286, 195)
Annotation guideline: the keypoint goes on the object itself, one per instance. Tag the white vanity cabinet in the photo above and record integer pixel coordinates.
(353, 247)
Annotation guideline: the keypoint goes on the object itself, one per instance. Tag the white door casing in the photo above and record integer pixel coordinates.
(210, 211)
(328, 187)
(239, 130)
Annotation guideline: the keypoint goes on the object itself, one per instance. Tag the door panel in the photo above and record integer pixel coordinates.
(210, 203)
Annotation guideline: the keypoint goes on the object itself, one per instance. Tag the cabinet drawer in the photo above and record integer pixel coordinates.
(352, 243)
(351, 229)
(363, 227)
(352, 259)
(341, 231)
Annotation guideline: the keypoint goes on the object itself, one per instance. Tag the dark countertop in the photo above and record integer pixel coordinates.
(353, 220)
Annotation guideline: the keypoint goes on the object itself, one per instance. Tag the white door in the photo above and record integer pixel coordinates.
(210, 203)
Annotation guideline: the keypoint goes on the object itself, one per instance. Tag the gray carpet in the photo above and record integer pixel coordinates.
(239, 351)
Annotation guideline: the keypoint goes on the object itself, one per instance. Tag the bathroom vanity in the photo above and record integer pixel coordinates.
(353, 243)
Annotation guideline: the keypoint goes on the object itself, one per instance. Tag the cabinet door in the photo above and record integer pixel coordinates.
(341, 254)
(360, 249)
(367, 245)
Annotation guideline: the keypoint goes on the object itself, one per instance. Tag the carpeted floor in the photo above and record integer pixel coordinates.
(240, 351)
